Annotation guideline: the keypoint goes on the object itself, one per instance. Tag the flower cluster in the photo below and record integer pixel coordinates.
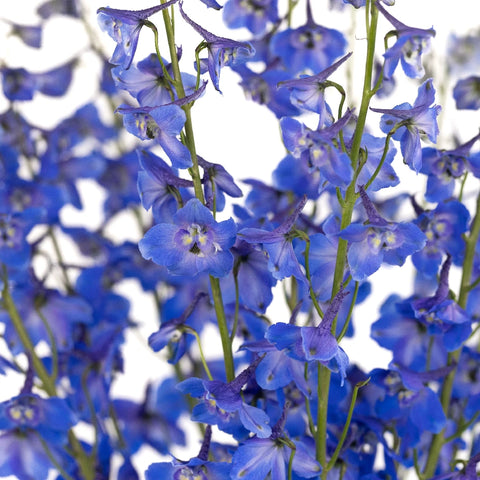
(271, 393)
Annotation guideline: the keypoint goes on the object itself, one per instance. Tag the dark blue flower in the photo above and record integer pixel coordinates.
(148, 84)
(262, 89)
(154, 421)
(467, 93)
(252, 14)
(26, 420)
(124, 27)
(31, 35)
(308, 92)
(221, 51)
(161, 123)
(282, 261)
(443, 316)
(443, 228)
(413, 122)
(311, 47)
(318, 151)
(158, 186)
(193, 243)
(14, 227)
(310, 344)
(443, 167)
(377, 241)
(197, 468)
(260, 458)
(408, 49)
(220, 401)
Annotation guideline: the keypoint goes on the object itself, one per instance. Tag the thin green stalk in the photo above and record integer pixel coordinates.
(341, 441)
(349, 315)
(367, 93)
(189, 137)
(91, 408)
(290, 464)
(53, 345)
(202, 356)
(237, 304)
(223, 329)
(324, 374)
(58, 252)
(48, 384)
(54, 461)
(446, 393)
(309, 278)
(323, 387)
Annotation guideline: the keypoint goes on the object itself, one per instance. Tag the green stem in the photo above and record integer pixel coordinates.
(52, 458)
(53, 345)
(223, 329)
(48, 383)
(350, 195)
(309, 277)
(334, 457)
(446, 393)
(58, 252)
(323, 387)
(178, 83)
(202, 356)
(349, 315)
(347, 212)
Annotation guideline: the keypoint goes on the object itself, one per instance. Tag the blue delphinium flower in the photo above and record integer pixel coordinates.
(282, 261)
(197, 468)
(217, 181)
(386, 176)
(193, 243)
(14, 227)
(221, 401)
(252, 14)
(443, 167)
(318, 151)
(377, 241)
(467, 93)
(154, 421)
(255, 282)
(310, 47)
(26, 420)
(173, 333)
(443, 316)
(161, 123)
(261, 87)
(308, 92)
(159, 186)
(413, 122)
(414, 407)
(31, 35)
(311, 344)
(260, 458)
(20, 84)
(401, 332)
(443, 227)
(408, 49)
(147, 81)
(124, 27)
(221, 51)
